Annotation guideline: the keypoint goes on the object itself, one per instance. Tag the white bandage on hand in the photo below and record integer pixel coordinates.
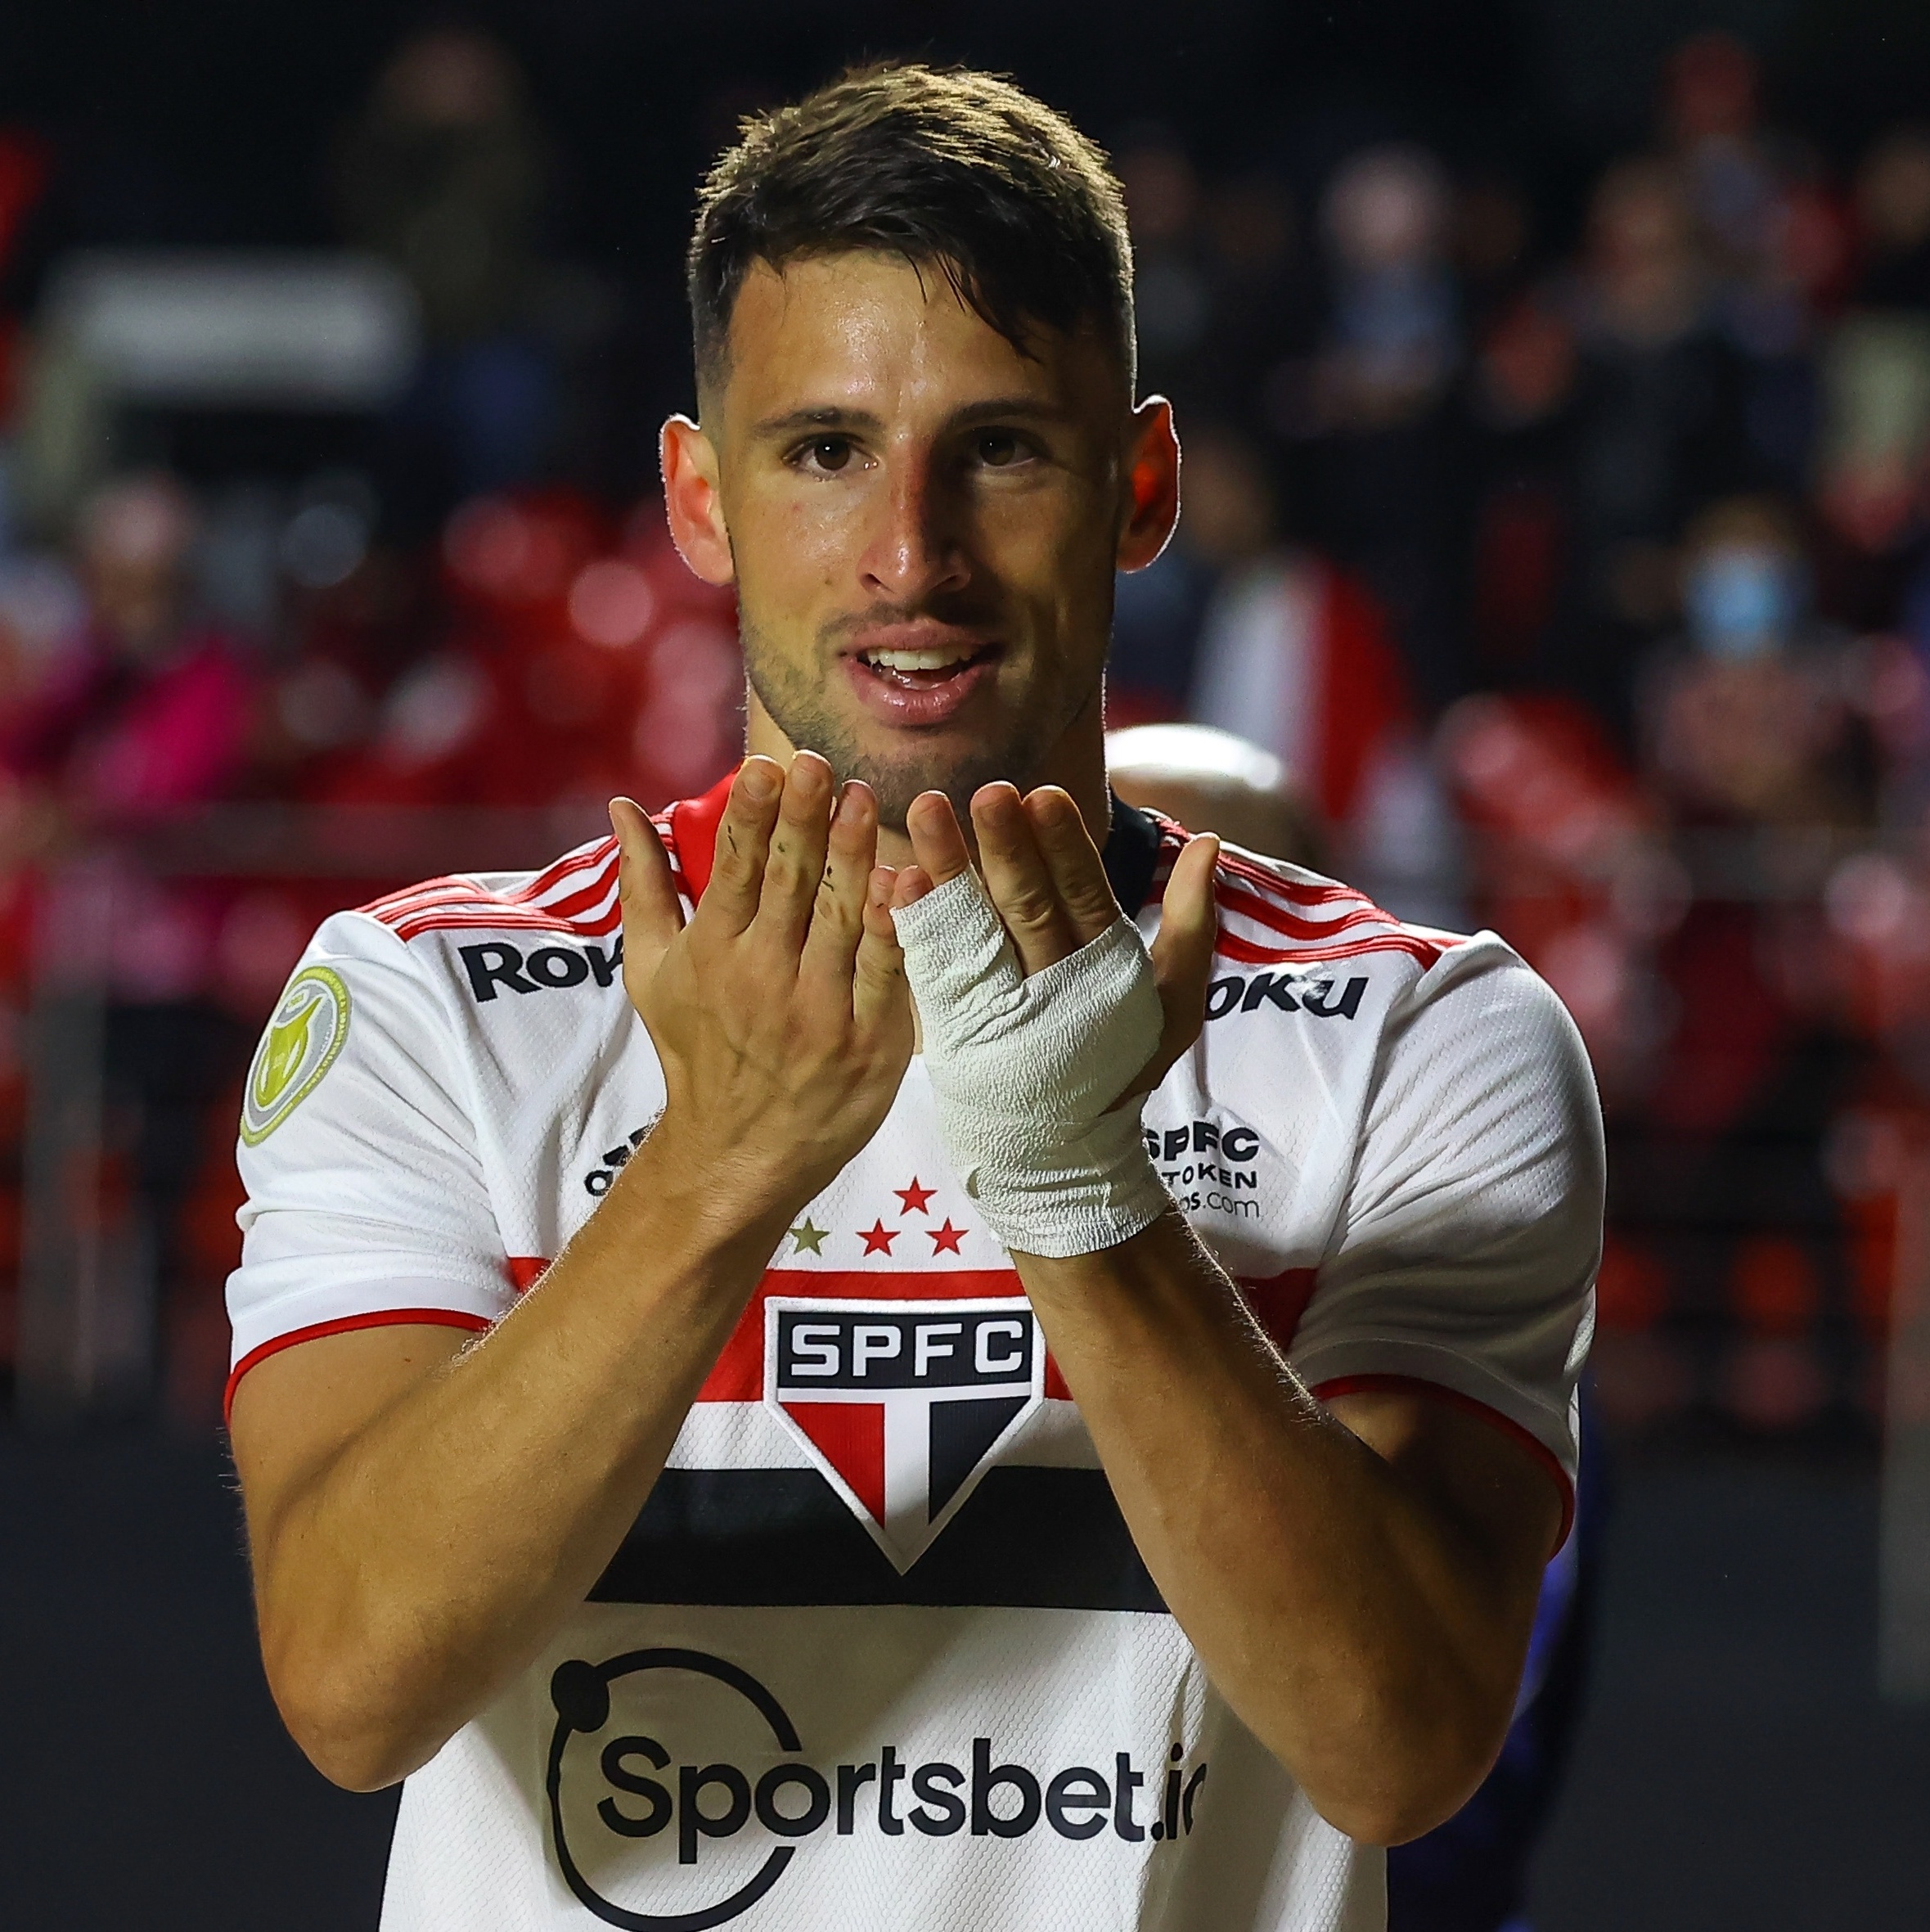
(1025, 1071)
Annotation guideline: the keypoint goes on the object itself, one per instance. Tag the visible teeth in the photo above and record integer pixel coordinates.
(919, 661)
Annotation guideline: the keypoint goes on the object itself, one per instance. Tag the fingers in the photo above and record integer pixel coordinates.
(1019, 880)
(1078, 872)
(730, 902)
(936, 842)
(1183, 955)
(794, 866)
(652, 913)
(879, 996)
(838, 916)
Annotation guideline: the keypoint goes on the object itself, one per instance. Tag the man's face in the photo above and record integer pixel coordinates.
(923, 524)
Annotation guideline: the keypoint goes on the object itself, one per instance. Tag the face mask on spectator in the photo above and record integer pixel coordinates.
(1742, 600)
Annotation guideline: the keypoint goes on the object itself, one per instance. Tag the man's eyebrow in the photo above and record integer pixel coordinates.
(828, 416)
(833, 418)
(1006, 408)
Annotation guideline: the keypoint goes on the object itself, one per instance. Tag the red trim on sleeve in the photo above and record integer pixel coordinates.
(377, 1318)
(525, 1270)
(1418, 1385)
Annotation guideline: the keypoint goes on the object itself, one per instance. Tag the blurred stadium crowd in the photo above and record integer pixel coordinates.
(1580, 585)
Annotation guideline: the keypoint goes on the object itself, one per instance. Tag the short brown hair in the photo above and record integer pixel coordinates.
(949, 168)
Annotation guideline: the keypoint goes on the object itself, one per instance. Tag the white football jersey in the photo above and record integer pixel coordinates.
(879, 1651)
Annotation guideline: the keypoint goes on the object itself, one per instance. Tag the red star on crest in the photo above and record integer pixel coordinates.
(915, 1197)
(878, 1238)
(945, 1239)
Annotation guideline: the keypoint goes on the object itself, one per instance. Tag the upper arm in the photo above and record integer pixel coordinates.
(298, 1409)
(1501, 1501)
(370, 1249)
(1466, 1254)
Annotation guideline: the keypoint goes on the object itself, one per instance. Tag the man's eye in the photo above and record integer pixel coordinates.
(999, 448)
(826, 453)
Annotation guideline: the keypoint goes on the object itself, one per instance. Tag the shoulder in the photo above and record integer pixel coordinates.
(575, 895)
(1278, 915)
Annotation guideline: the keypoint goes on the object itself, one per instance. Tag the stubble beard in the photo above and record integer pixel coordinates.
(797, 703)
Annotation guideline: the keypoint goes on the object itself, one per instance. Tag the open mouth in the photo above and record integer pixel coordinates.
(916, 685)
(925, 668)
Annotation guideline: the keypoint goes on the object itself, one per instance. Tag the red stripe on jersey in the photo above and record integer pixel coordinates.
(554, 874)
(376, 1319)
(446, 891)
(582, 896)
(1269, 880)
(693, 824)
(504, 921)
(738, 1374)
(1253, 906)
(523, 1270)
(1231, 946)
(1278, 1303)
(1467, 1404)
(851, 1436)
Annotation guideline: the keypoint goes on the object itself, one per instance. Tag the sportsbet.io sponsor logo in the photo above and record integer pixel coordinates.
(652, 1834)
(303, 1038)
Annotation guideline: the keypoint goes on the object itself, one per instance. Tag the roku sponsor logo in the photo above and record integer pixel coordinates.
(649, 1790)
(500, 965)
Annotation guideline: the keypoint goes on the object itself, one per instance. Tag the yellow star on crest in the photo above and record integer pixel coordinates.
(808, 1238)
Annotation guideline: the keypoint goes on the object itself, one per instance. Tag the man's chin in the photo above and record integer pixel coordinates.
(897, 777)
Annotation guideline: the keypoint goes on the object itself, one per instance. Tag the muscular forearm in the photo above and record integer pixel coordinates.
(1345, 1614)
(412, 1573)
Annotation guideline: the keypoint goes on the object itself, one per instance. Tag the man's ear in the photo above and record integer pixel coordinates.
(692, 503)
(1153, 508)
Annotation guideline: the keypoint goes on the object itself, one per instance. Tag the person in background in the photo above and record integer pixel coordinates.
(1754, 746)
(447, 175)
(1893, 197)
(1294, 654)
(1659, 429)
(1470, 1874)
(1382, 380)
(147, 713)
(148, 708)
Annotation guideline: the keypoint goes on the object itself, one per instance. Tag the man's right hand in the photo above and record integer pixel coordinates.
(424, 1512)
(780, 1012)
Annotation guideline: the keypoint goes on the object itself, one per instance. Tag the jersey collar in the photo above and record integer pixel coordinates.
(1131, 852)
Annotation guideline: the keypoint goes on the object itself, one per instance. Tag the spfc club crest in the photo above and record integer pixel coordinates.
(902, 1404)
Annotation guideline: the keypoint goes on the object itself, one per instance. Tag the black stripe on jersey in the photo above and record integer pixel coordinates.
(1026, 1538)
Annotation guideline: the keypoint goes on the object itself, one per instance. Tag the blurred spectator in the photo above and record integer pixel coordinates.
(1747, 719)
(147, 709)
(1293, 655)
(447, 175)
(1172, 297)
(1762, 760)
(1710, 101)
(145, 712)
(1893, 220)
(1658, 429)
(1392, 350)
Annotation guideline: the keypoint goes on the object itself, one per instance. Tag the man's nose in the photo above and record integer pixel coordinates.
(916, 550)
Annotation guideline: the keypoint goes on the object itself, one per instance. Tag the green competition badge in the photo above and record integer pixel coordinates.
(298, 1048)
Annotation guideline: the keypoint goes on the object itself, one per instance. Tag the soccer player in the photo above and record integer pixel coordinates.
(782, 1390)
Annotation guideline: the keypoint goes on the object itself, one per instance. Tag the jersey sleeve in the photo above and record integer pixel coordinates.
(365, 1198)
(1466, 1252)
